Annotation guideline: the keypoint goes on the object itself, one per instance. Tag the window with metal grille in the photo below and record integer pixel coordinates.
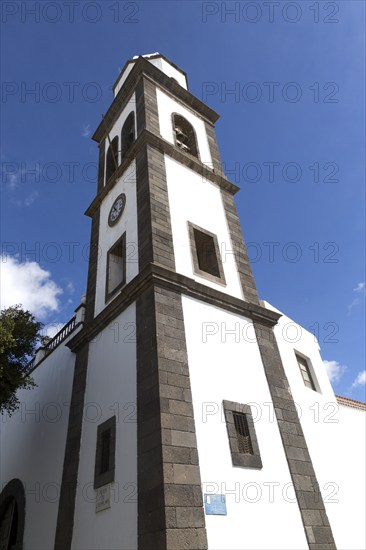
(243, 441)
(105, 453)
(242, 432)
(305, 372)
(185, 137)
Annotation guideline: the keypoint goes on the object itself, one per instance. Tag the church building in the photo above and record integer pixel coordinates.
(173, 411)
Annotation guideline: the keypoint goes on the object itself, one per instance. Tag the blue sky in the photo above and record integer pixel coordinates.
(291, 135)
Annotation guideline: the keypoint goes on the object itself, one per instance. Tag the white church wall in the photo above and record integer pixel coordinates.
(345, 502)
(33, 445)
(166, 107)
(111, 390)
(169, 70)
(192, 199)
(334, 435)
(109, 235)
(228, 366)
(174, 73)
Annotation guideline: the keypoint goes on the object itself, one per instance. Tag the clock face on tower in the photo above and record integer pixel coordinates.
(117, 208)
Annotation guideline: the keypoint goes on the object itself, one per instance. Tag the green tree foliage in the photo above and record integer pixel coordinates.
(19, 337)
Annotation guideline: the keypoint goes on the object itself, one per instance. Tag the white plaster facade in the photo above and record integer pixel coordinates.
(193, 199)
(111, 390)
(225, 364)
(335, 435)
(109, 235)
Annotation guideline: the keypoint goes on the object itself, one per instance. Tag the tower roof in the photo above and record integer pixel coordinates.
(157, 59)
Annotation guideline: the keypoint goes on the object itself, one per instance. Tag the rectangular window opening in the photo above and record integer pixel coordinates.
(206, 253)
(105, 453)
(116, 266)
(305, 372)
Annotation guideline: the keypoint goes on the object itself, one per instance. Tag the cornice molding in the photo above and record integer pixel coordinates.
(148, 138)
(156, 275)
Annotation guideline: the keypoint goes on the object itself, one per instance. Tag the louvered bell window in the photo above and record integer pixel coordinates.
(242, 432)
(182, 139)
(185, 137)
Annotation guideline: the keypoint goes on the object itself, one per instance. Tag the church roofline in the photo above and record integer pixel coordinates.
(348, 402)
(151, 56)
(147, 138)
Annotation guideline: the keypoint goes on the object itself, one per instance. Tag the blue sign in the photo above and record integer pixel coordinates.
(215, 505)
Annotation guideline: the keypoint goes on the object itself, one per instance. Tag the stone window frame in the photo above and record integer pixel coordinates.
(110, 293)
(103, 478)
(196, 269)
(242, 460)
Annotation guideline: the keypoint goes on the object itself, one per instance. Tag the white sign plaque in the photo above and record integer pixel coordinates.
(103, 498)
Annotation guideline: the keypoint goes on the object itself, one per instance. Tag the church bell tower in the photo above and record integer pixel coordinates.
(168, 269)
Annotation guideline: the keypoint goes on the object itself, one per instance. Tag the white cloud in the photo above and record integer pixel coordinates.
(361, 287)
(13, 181)
(10, 176)
(334, 370)
(353, 304)
(360, 379)
(361, 290)
(28, 201)
(28, 284)
(13, 174)
(86, 131)
(70, 287)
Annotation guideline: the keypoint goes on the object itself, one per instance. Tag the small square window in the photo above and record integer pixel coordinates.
(242, 437)
(305, 372)
(206, 254)
(105, 453)
(116, 267)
